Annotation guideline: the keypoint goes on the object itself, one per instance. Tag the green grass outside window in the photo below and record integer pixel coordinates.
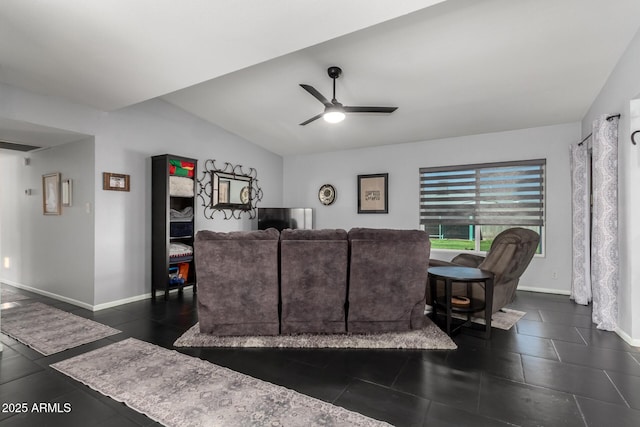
(460, 245)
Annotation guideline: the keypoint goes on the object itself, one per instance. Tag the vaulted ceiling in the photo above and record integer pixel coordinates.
(454, 67)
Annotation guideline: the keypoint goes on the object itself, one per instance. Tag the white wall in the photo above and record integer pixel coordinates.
(304, 174)
(621, 88)
(124, 141)
(53, 253)
(124, 145)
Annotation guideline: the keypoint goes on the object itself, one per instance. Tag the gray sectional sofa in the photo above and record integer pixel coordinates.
(311, 281)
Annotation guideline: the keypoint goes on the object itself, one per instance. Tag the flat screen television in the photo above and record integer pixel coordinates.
(281, 218)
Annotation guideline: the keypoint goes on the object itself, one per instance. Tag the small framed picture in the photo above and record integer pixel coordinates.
(67, 192)
(115, 181)
(51, 194)
(373, 193)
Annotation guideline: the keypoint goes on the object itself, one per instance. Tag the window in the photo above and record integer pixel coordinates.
(465, 207)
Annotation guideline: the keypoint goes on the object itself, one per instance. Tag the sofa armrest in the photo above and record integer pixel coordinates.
(468, 260)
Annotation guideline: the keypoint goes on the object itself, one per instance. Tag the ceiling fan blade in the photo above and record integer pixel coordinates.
(370, 109)
(316, 94)
(306, 122)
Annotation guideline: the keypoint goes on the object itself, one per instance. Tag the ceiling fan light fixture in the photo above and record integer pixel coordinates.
(333, 115)
(334, 112)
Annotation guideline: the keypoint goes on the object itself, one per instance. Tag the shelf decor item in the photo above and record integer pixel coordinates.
(51, 194)
(460, 301)
(115, 181)
(373, 193)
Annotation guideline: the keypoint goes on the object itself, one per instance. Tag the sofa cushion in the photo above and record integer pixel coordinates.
(387, 234)
(327, 234)
(268, 234)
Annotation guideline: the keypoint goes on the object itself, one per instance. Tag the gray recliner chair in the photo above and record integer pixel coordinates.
(313, 280)
(509, 256)
(387, 280)
(238, 282)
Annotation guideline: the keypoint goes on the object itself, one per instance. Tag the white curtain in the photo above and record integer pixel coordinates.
(595, 230)
(581, 211)
(604, 239)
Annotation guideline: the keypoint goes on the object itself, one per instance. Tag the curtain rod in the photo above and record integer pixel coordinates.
(615, 116)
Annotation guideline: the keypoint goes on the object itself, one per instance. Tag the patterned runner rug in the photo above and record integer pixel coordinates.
(179, 390)
(428, 338)
(49, 330)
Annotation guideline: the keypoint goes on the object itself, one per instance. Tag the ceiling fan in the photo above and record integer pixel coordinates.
(334, 111)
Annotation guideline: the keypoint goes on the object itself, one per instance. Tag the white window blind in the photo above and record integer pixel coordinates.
(506, 193)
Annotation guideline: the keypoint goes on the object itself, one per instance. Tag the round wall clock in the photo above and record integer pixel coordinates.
(327, 194)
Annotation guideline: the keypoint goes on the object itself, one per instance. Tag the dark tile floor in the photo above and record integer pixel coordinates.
(553, 369)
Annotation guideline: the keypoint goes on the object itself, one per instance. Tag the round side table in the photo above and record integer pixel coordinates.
(470, 276)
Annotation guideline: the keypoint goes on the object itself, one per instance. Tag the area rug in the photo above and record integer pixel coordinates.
(10, 296)
(179, 390)
(49, 330)
(428, 338)
(503, 319)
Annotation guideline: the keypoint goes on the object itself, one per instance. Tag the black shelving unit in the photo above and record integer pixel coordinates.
(162, 202)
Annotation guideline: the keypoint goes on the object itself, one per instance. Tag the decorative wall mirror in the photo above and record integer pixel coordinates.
(229, 190)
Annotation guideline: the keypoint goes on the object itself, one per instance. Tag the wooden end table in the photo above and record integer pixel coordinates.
(470, 276)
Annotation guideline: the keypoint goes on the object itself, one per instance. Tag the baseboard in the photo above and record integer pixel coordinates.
(116, 303)
(81, 304)
(543, 290)
(627, 338)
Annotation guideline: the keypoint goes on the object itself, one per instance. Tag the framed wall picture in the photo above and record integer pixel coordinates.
(373, 193)
(51, 194)
(115, 181)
